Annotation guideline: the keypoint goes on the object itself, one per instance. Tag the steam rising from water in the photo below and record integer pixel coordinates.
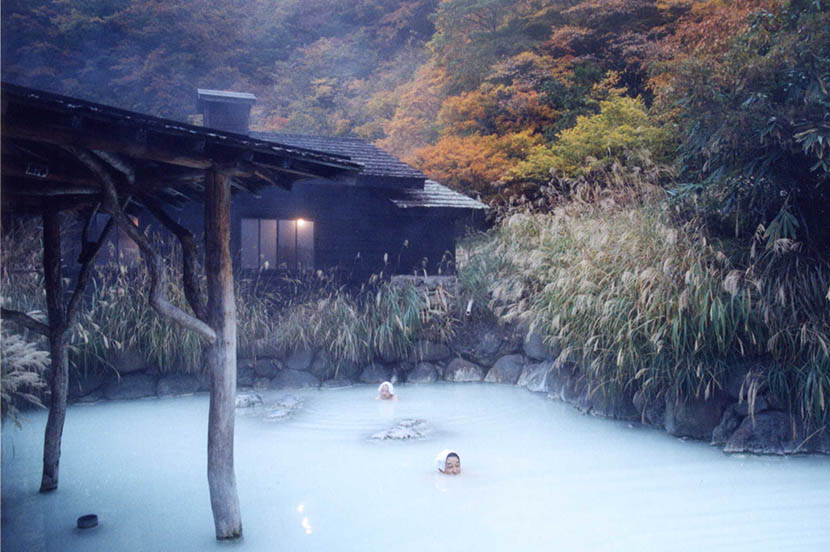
(537, 475)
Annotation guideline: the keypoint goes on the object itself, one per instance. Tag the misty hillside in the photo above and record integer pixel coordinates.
(491, 97)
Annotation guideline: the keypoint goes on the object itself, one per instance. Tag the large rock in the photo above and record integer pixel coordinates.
(608, 404)
(347, 369)
(506, 370)
(131, 386)
(389, 356)
(652, 409)
(729, 422)
(375, 373)
(427, 351)
(245, 375)
(337, 382)
(483, 343)
(128, 361)
(742, 377)
(424, 372)
(300, 360)
(769, 433)
(92, 397)
(264, 347)
(261, 367)
(534, 347)
(460, 370)
(322, 367)
(535, 377)
(177, 384)
(294, 379)
(695, 417)
(760, 404)
(81, 385)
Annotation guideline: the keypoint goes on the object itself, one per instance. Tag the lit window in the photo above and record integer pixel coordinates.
(277, 244)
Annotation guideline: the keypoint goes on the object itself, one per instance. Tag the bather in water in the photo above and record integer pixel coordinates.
(386, 392)
(448, 462)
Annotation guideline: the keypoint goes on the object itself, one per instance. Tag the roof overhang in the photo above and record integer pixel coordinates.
(169, 159)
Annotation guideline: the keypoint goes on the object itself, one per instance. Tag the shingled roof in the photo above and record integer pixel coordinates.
(433, 195)
(379, 166)
(167, 159)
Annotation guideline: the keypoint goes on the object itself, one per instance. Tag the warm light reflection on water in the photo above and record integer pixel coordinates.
(537, 476)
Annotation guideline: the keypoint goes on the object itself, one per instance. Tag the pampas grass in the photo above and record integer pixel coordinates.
(23, 367)
(638, 301)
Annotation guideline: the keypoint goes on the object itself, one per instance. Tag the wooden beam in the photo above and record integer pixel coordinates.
(220, 358)
(102, 141)
(51, 176)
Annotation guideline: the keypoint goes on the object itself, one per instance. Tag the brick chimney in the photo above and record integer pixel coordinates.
(224, 110)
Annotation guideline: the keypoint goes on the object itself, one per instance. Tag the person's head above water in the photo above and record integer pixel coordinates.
(448, 462)
(386, 391)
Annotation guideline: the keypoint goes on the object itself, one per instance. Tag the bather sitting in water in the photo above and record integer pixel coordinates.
(448, 462)
(386, 392)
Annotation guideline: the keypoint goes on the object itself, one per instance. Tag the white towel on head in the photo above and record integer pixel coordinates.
(391, 387)
(441, 459)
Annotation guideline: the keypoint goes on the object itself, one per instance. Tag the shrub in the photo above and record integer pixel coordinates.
(22, 380)
(752, 108)
(622, 126)
(640, 303)
(388, 318)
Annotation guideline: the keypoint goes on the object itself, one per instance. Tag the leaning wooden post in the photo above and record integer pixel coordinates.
(221, 357)
(59, 380)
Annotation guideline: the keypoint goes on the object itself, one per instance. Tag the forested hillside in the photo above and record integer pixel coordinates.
(489, 96)
(661, 168)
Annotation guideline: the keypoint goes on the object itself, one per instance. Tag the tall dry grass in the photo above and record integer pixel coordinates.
(386, 318)
(640, 302)
(313, 309)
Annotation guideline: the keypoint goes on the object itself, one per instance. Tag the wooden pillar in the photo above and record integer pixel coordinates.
(58, 380)
(221, 357)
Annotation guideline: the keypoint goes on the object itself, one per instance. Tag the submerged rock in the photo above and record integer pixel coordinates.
(282, 408)
(248, 400)
(403, 430)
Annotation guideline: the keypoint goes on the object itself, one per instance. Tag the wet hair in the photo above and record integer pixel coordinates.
(452, 454)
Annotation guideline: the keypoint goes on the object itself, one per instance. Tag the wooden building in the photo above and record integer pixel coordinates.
(388, 217)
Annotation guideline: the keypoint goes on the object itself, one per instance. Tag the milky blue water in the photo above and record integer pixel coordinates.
(536, 475)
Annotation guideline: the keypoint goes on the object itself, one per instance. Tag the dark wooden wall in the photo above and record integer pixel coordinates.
(353, 227)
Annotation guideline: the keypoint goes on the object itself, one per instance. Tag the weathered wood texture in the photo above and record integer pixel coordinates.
(57, 347)
(353, 227)
(221, 358)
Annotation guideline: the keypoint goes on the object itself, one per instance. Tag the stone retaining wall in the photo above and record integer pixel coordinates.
(487, 353)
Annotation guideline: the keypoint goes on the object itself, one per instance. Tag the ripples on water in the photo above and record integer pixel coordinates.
(536, 475)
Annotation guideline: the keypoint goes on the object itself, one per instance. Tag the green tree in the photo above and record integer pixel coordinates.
(754, 122)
